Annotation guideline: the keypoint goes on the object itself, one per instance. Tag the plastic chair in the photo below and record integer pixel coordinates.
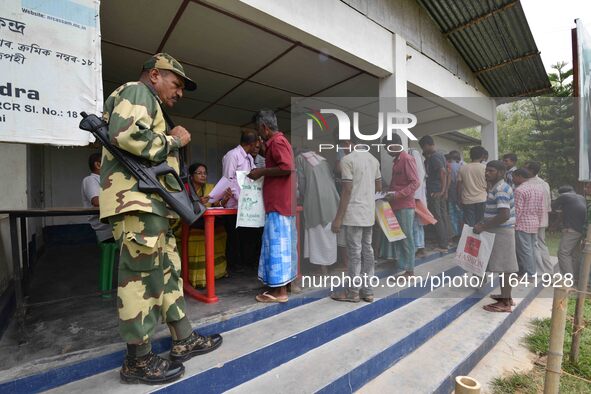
(108, 252)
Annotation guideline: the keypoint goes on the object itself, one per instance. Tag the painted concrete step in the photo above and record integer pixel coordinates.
(454, 351)
(254, 349)
(55, 371)
(350, 360)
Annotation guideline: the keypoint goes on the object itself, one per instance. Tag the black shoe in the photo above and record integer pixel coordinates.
(150, 369)
(194, 345)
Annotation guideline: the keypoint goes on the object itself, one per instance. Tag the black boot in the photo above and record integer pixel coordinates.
(194, 345)
(150, 369)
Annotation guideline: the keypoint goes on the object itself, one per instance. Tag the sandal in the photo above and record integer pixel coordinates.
(497, 307)
(498, 297)
(267, 298)
(346, 296)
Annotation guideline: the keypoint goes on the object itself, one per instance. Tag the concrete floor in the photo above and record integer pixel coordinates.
(71, 318)
(71, 322)
(510, 354)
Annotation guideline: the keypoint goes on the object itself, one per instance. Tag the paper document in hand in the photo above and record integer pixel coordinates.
(382, 195)
(220, 188)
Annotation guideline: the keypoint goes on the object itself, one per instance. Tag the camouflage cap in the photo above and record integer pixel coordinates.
(163, 61)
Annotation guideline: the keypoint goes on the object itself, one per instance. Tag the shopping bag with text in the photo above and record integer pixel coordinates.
(251, 210)
(474, 250)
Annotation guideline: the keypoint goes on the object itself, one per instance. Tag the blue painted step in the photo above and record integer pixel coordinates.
(80, 370)
(351, 360)
(254, 349)
(452, 352)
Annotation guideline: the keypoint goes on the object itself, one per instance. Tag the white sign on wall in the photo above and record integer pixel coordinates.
(50, 70)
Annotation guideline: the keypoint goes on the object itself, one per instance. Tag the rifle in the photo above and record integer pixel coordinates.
(182, 203)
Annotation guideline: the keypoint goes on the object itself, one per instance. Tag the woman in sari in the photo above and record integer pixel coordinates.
(196, 248)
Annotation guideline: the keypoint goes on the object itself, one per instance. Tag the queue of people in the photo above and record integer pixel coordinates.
(339, 209)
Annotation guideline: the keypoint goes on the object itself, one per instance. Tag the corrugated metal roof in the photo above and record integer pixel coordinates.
(494, 39)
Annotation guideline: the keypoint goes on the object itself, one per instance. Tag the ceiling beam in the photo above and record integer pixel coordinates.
(201, 67)
(335, 84)
(248, 78)
(172, 26)
(276, 34)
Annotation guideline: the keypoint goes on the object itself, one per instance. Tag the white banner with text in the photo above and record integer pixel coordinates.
(50, 70)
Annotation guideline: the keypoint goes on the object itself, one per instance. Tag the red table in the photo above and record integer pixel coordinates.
(209, 296)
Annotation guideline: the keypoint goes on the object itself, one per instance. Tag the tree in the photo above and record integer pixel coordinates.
(542, 129)
(554, 138)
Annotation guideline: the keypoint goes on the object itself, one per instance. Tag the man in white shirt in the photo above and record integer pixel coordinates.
(90, 191)
(241, 244)
(361, 179)
(104, 232)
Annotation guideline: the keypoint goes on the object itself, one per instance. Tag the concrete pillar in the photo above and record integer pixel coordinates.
(393, 96)
(489, 134)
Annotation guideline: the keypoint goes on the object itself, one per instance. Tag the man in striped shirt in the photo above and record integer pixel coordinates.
(500, 196)
(499, 219)
(529, 210)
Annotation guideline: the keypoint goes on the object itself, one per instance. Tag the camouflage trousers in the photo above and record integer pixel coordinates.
(149, 283)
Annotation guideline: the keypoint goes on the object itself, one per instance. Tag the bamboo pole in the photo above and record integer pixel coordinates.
(558, 324)
(579, 322)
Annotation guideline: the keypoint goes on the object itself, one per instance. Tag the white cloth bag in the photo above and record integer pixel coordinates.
(251, 209)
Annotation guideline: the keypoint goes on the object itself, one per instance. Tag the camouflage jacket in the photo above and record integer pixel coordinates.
(136, 125)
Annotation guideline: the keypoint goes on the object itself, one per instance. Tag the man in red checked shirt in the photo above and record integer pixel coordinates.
(278, 263)
(529, 210)
(404, 183)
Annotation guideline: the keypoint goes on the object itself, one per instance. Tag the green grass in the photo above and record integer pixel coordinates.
(533, 383)
(518, 382)
(537, 341)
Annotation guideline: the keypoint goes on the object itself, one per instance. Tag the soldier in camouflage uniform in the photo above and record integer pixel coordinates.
(150, 286)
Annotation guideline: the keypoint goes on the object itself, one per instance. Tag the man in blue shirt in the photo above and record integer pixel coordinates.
(436, 168)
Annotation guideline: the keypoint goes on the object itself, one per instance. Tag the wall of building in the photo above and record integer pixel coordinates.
(13, 178)
(369, 46)
(209, 143)
(35, 176)
(324, 25)
(443, 144)
(408, 19)
(65, 167)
